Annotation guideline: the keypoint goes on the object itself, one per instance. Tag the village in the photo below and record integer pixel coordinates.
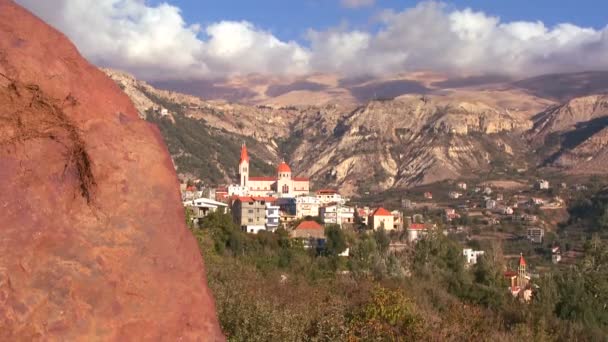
(471, 214)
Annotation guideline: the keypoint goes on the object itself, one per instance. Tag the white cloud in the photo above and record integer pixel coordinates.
(357, 3)
(155, 42)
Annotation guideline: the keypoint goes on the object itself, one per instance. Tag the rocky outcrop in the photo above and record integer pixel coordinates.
(94, 244)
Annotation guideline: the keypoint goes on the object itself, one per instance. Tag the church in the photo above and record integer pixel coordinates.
(282, 184)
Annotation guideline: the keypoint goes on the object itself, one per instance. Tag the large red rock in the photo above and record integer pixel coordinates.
(93, 244)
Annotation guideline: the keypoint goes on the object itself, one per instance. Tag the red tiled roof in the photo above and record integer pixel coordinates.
(416, 226)
(283, 167)
(256, 198)
(381, 212)
(267, 179)
(244, 155)
(522, 261)
(300, 179)
(191, 188)
(309, 225)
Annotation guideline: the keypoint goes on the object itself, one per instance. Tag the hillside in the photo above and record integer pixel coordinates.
(472, 126)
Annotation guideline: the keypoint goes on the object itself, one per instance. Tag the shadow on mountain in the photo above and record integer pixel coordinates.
(571, 139)
(206, 89)
(280, 89)
(387, 90)
(563, 87)
(462, 82)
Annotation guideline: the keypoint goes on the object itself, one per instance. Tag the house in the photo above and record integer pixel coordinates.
(462, 185)
(336, 213)
(416, 231)
(288, 205)
(505, 210)
(327, 196)
(363, 215)
(273, 216)
(542, 184)
(221, 194)
(451, 214)
(487, 190)
(537, 201)
(428, 195)
(201, 207)
(249, 213)
(470, 255)
(536, 234)
(381, 218)
(237, 190)
(307, 206)
(397, 219)
(454, 195)
(283, 183)
(406, 203)
(490, 204)
(311, 232)
(556, 255)
(499, 197)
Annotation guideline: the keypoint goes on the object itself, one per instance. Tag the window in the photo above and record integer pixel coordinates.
(250, 211)
(285, 189)
(250, 220)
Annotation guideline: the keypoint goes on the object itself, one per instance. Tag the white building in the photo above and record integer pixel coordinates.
(542, 184)
(416, 231)
(307, 206)
(273, 216)
(462, 185)
(237, 190)
(329, 196)
(470, 255)
(454, 195)
(490, 204)
(337, 214)
(201, 207)
(487, 190)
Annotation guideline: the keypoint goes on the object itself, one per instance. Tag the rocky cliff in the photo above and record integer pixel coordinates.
(94, 244)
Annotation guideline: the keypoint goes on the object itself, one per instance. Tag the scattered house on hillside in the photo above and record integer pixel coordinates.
(504, 210)
(311, 233)
(528, 218)
(454, 195)
(499, 197)
(336, 213)
(416, 231)
(428, 195)
(556, 255)
(462, 185)
(307, 206)
(451, 214)
(201, 207)
(288, 205)
(327, 196)
(471, 255)
(406, 203)
(542, 184)
(221, 194)
(362, 214)
(537, 201)
(536, 234)
(487, 190)
(164, 112)
(490, 204)
(381, 218)
(397, 220)
(249, 213)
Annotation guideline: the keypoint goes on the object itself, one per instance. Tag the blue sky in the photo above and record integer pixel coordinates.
(290, 19)
(158, 40)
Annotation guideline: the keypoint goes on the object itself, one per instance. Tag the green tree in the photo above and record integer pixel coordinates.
(335, 240)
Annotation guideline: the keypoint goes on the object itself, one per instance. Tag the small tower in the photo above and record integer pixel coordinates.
(244, 167)
(522, 274)
(284, 185)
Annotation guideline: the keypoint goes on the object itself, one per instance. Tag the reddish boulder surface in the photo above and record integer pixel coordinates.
(93, 244)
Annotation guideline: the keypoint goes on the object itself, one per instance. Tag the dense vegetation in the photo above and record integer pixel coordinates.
(269, 288)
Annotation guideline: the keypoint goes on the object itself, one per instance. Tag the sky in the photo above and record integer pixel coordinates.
(190, 39)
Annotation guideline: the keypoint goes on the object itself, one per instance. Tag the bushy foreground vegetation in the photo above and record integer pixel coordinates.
(269, 288)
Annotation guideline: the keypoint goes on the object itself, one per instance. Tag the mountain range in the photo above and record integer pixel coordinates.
(372, 134)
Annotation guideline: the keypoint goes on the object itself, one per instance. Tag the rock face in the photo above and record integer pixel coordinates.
(93, 244)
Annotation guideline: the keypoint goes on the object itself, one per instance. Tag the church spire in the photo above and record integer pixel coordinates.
(244, 155)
